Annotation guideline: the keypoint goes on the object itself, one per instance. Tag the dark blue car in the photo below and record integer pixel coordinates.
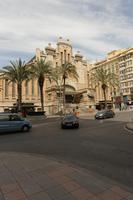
(70, 121)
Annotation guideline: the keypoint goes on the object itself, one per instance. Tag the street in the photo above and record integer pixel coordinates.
(102, 146)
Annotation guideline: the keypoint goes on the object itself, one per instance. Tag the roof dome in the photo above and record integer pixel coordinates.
(49, 49)
(78, 56)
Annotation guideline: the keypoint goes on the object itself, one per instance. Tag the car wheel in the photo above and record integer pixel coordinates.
(25, 128)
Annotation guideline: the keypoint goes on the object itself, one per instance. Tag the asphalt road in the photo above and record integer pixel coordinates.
(104, 146)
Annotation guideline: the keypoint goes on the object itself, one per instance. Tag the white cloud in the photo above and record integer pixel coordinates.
(96, 27)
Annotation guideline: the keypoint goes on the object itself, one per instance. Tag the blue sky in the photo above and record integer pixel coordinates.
(94, 27)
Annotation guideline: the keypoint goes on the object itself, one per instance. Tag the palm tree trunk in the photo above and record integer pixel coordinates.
(105, 100)
(41, 97)
(64, 100)
(19, 91)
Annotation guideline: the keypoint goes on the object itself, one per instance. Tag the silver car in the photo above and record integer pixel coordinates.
(104, 114)
(13, 122)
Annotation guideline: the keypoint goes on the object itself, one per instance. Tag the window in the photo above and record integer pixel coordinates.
(4, 118)
(13, 90)
(69, 58)
(126, 84)
(32, 85)
(15, 118)
(65, 56)
(61, 57)
(27, 88)
(6, 88)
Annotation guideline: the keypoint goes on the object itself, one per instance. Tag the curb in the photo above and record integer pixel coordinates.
(129, 126)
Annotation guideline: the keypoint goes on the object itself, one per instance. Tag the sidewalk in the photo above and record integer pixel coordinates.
(116, 111)
(129, 126)
(42, 119)
(33, 177)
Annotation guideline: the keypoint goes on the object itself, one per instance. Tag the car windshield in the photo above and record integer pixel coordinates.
(101, 112)
(70, 117)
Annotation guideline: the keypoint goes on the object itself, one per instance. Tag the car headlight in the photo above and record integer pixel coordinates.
(75, 122)
(100, 115)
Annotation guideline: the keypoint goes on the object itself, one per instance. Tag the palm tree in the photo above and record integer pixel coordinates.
(106, 79)
(68, 70)
(16, 72)
(40, 70)
(57, 78)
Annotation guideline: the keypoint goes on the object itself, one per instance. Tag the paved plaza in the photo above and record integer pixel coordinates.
(92, 163)
(33, 177)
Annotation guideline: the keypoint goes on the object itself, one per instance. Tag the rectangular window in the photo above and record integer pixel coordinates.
(32, 85)
(65, 56)
(26, 88)
(6, 88)
(4, 118)
(68, 57)
(61, 58)
(13, 90)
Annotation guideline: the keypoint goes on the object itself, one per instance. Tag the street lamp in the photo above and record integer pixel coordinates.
(59, 86)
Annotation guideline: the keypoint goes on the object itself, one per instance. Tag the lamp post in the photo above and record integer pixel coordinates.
(59, 85)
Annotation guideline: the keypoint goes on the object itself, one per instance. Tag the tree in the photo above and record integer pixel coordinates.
(106, 79)
(40, 70)
(68, 70)
(57, 78)
(16, 72)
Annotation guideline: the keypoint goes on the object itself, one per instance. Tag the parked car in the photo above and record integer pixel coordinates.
(70, 121)
(104, 114)
(11, 122)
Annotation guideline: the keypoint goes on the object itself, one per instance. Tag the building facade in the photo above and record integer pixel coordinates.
(76, 91)
(82, 93)
(120, 62)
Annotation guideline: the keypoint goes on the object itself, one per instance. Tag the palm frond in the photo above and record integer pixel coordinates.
(69, 70)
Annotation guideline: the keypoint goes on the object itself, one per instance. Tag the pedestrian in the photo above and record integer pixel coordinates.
(74, 112)
(24, 113)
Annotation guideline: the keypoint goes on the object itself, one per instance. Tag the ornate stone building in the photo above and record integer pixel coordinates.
(81, 93)
(76, 91)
